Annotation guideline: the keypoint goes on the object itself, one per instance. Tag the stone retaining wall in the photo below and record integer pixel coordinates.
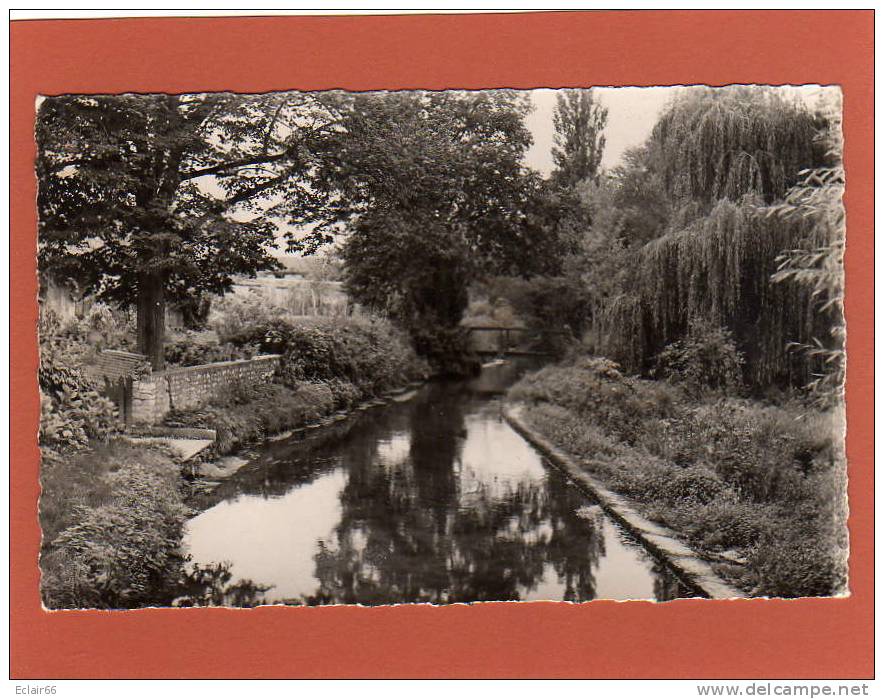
(185, 388)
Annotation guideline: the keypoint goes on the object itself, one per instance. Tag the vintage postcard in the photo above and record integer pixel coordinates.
(419, 346)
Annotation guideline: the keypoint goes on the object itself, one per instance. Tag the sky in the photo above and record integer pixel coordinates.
(632, 113)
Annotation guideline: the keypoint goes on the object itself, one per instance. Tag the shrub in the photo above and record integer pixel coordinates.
(721, 523)
(695, 484)
(112, 523)
(345, 394)
(565, 427)
(764, 452)
(706, 360)
(72, 417)
(370, 354)
(795, 563)
(72, 412)
(595, 389)
(191, 348)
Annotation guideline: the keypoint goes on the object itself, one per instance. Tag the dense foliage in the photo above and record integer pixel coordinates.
(817, 198)
(431, 191)
(718, 271)
(112, 522)
(192, 348)
(716, 167)
(145, 198)
(370, 353)
(712, 144)
(706, 359)
(72, 411)
(327, 364)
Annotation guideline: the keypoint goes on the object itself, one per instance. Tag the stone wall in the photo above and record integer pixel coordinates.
(185, 388)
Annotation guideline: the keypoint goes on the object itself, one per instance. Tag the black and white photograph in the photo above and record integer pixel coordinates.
(441, 347)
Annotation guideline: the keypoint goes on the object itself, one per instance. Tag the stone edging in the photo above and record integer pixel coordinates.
(689, 567)
(215, 366)
(172, 432)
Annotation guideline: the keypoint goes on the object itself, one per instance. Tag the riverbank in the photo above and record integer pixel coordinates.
(112, 518)
(691, 569)
(114, 505)
(327, 368)
(756, 490)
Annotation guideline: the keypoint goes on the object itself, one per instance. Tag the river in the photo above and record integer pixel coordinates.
(432, 498)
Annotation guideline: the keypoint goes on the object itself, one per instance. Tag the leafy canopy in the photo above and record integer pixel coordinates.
(190, 187)
(431, 193)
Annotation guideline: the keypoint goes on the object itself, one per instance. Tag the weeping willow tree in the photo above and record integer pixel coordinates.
(724, 143)
(719, 271)
(727, 157)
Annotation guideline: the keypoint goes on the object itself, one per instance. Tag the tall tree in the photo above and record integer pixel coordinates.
(148, 198)
(725, 143)
(431, 191)
(642, 204)
(579, 122)
(725, 155)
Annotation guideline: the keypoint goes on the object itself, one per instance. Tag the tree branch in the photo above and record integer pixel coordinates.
(235, 164)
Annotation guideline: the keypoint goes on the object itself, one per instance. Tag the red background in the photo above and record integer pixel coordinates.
(732, 639)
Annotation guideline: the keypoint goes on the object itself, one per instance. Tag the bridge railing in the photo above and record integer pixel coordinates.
(512, 339)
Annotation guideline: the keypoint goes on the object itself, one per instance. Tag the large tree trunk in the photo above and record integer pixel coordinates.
(152, 318)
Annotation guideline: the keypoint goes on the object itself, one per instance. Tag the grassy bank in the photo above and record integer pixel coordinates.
(250, 414)
(756, 487)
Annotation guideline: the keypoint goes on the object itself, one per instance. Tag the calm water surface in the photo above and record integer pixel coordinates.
(433, 498)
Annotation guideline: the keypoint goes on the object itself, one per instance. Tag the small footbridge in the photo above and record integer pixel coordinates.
(514, 340)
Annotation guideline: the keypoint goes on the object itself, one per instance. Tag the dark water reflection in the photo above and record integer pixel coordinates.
(434, 499)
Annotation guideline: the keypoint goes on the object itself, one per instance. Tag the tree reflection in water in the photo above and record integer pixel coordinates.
(424, 528)
(434, 499)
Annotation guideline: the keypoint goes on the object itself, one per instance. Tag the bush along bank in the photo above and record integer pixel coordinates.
(757, 489)
(327, 366)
